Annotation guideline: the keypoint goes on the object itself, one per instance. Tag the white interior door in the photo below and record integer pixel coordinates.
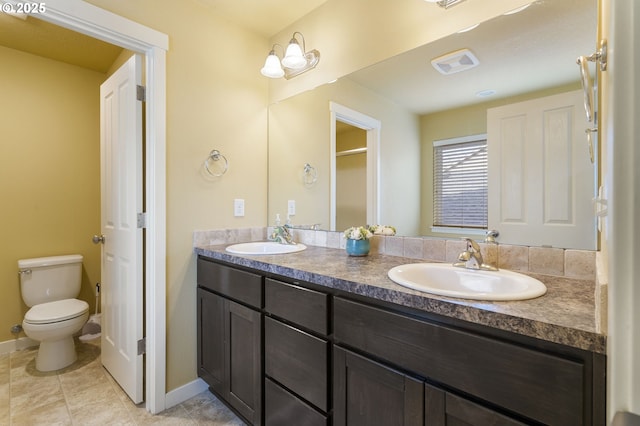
(121, 201)
(541, 179)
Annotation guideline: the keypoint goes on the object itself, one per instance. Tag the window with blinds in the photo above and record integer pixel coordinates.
(460, 182)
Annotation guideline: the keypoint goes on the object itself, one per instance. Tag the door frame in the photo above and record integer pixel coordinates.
(98, 23)
(372, 126)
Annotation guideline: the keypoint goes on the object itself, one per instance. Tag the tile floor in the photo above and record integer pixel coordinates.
(85, 394)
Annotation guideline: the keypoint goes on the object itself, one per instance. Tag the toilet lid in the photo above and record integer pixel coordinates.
(59, 310)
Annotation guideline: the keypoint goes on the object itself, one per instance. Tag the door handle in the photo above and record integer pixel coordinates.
(98, 239)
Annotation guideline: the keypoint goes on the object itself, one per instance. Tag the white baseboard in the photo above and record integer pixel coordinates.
(17, 345)
(185, 392)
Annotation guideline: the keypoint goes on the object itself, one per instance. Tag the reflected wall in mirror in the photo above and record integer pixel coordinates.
(351, 175)
(523, 56)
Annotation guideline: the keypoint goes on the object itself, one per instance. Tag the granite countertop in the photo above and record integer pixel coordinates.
(565, 314)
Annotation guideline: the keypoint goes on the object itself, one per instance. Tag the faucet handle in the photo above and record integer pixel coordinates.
(471, 244)
(491, 236)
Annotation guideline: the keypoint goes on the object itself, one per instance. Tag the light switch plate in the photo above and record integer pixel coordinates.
(238, 207)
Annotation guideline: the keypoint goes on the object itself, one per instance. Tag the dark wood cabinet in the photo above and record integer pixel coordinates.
(368, 393)
(211, 332)
(296, 361)
(308, 309)
(243, 365)
(284, 408)
(445, 409)
(230, 346)
(532, 384)
(331, 358)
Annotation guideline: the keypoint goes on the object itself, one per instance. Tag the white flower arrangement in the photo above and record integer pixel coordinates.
(358, 233)
(383, 230)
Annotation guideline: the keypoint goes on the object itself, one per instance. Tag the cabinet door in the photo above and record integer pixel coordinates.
(532, 383)
(367, 393)
(243, 365)
(445, 409)
(211, 348)
(283, 408)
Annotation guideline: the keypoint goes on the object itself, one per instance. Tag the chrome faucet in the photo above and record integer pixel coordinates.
(471, 258)
(281, 235)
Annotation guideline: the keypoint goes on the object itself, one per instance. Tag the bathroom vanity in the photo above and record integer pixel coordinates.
(319, 338)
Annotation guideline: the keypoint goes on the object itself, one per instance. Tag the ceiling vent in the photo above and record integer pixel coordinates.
(451, 63)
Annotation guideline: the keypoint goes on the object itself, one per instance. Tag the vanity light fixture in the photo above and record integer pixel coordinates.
(446, 4)
(272, 67)
(295, 60)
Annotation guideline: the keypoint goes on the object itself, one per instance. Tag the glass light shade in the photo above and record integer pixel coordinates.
(294, 57)
(272, 67)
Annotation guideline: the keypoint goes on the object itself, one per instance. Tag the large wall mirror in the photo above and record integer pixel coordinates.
(523, 56)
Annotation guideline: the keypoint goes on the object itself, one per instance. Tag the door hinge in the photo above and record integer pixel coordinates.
(142, 220)
(142, 346)
(141, 93)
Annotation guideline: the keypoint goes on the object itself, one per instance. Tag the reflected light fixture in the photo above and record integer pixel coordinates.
(446, 4)
(466, 30)
(517, 10)
(295, 60)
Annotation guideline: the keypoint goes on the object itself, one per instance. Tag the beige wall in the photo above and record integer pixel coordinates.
(351, 179)
(299, 133)
(49, 171)
(466, 121)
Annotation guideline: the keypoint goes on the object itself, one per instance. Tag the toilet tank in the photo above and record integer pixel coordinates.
(47, 279)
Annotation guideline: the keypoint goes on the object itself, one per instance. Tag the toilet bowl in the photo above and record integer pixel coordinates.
(53, 324)
(49, 286)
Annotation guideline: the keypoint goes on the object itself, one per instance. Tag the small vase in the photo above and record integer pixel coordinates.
(357, 247)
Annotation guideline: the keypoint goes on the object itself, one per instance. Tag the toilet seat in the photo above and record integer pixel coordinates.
(52, 312)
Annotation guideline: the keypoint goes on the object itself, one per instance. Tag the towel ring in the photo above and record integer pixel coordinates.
(216, 156)
(310, 174)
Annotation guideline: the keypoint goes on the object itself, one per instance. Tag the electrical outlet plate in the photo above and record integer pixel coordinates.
(238, 207)
(291, 207)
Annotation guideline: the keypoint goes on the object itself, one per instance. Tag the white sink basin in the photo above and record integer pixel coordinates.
(451, 281)
(265, 247)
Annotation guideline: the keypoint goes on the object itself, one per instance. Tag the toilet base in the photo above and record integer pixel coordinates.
(57, 354)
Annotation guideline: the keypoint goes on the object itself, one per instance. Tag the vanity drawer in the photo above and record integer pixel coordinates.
(236, 284)
(534, 384)
(282, 408)
(297, 360)
(304, 307)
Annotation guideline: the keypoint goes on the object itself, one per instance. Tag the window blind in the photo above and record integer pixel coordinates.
(460, 184)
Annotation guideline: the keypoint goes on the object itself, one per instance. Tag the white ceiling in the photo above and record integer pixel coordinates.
(266, 17)
(528, 51)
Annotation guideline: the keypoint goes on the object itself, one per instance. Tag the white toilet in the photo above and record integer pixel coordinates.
(49, 286)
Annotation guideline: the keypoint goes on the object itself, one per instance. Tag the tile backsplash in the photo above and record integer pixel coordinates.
(579, 264)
